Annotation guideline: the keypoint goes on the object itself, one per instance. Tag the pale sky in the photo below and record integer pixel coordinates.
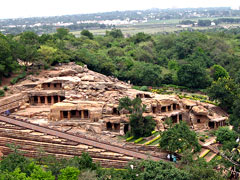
(33, 8)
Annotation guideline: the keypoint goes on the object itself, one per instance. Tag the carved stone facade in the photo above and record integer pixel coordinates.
(75, 94)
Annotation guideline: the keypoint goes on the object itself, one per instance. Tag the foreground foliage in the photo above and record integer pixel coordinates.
(140, 125)
(179, 138)
(82, 168)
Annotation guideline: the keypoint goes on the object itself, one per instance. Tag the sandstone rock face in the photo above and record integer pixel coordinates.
(67, 72)
(91, 99)
(200, 110)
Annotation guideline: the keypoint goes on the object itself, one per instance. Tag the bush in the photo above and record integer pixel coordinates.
(202, 139)
(128, 134)
(144, 88)
(5, 88)
(14, 80)
(2, 93)
(19, 77)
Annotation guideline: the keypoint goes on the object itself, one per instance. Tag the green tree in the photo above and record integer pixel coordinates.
(47, 53)
(15, 160)
(69, 173)
(235, 116)
(83, 162)
(225, 91)
(227, 137)
(179, 138)
(140, 126)
(7, 64)
(87, 33)
(62, 33)
(201, 170)
(193, 76)
(145, 74)
(115, 33)
(39, 174)
(15, 175)
(160, 170)
(140, 37)
(218, 71)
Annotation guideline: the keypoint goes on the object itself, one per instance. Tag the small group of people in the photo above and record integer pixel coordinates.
(172, 158)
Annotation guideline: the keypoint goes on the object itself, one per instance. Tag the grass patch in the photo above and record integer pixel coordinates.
(132, 140)
(138, 140)
(155, 142)
(129, 139)
(143, 141)
(156, 134)
(151, 141)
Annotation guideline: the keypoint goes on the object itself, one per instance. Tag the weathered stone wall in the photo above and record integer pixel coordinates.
(32, 142)
(13, 101)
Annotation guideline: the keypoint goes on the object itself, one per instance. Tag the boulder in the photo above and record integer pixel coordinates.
(200, 110)
(79, 69)
(67, 72)
(88, 78)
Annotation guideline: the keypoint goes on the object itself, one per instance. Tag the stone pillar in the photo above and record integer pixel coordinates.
(51, 86)
(178, 118)
(69, 115)
(39, 100)
(52, 99)
(166, 108)
(61, 114)
(172, 107)
(113, 126)
(77, 113)
(59, 99)
(82, 114)
(215, 126)
(46, 100)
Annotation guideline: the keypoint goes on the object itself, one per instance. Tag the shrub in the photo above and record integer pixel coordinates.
(5, 88)
(202, 139)
(16, 79)
(2, 93)
(144, 88)
(128, 134)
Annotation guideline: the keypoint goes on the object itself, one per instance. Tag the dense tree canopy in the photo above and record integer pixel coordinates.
(180, 58)
(179, 138)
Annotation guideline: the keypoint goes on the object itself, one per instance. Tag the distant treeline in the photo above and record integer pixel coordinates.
(209, 22)
(185, 58)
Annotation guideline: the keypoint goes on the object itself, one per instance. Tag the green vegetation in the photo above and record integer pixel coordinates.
(179, 138)
(226, 137)
(19, 77)
(17, 167)
(153, 140)
(138, 140)
(184, 62)
(5, 88)
(189, 59)
(140, 126)
(2, 93)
